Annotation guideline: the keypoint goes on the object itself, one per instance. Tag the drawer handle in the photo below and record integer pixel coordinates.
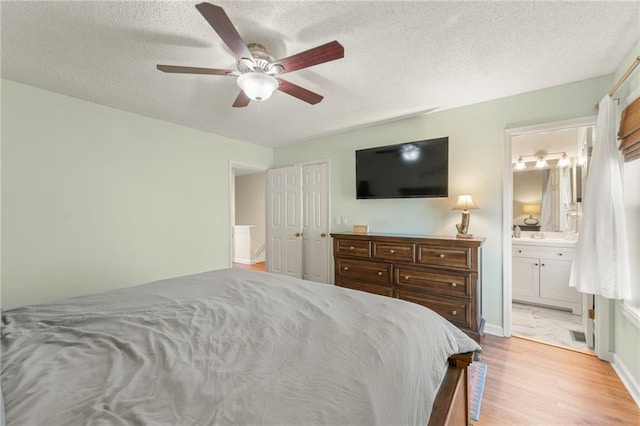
(542, 264)
(535, 264)
(351, 248)
(392, 251)
(406, 277)
(346, 268)
(441, 255)
(454, 285)
(379, 273)
(559, 254)
(454, 312)
(519, 251)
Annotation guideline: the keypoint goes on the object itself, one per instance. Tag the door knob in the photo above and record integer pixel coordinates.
(297, 234)
(323, 235)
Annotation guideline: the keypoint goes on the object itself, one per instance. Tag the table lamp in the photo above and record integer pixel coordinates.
(531, 209)
(465, 203)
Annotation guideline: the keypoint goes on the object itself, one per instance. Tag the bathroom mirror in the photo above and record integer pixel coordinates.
(547, 200)
(548, 183)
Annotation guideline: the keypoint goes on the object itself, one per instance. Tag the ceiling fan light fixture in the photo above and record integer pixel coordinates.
(257, 85)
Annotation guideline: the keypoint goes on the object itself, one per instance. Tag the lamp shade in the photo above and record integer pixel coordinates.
(531, 208)
(257, 85)
(465, 202)
(541, 163)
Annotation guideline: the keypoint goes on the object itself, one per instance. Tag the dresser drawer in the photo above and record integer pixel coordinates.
(363, 271)
(547, 252)
(353, 248)
(433, 281)
(449, 256)
(369, 288)
(394, 251)
(458, 312)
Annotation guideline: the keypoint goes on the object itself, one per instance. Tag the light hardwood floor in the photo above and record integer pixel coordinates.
(530, 383)
(260, 266)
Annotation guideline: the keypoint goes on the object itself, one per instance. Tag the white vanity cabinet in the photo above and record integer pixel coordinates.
(541, 274)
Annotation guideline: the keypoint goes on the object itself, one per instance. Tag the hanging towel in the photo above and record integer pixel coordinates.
(601, 263)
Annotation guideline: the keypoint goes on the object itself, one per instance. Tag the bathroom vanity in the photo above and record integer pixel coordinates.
(541, 268)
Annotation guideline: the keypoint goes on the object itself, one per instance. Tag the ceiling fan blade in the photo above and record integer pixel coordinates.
(242, 100)
(299, 92)
(318, 55)
(192, 70)
(220, 22)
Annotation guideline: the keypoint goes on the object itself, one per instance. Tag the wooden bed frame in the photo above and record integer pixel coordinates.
(451, 406)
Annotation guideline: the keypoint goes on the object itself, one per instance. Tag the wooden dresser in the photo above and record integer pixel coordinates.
(440, 273)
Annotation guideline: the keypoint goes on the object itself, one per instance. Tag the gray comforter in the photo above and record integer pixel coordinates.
(225, 347)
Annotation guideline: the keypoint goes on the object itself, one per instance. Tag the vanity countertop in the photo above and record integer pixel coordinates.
(552, 239)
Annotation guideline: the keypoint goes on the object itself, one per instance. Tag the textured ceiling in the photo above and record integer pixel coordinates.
(401, 58)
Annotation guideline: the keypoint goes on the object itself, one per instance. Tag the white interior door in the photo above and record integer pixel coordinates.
(315, 238)
(284, 228)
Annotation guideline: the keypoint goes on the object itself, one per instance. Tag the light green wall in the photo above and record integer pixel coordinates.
(476, 149)
(95, 198)
(626, 334)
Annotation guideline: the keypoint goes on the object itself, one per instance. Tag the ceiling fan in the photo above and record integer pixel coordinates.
(257, 71)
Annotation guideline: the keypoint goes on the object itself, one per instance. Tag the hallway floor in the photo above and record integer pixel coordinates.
(259, 266)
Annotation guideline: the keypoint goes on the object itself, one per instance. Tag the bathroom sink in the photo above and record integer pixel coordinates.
(547, 238)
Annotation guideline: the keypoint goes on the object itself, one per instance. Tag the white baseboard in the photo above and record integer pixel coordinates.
(627, 379)
(493, 329)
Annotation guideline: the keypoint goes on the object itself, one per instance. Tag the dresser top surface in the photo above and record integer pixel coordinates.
(364, 235)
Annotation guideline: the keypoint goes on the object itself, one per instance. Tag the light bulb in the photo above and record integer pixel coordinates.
(257, 85)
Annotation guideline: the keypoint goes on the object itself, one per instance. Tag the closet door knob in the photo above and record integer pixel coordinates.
(323, 235)
(297, 234)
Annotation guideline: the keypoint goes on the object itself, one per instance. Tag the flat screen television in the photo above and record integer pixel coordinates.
(417, 169)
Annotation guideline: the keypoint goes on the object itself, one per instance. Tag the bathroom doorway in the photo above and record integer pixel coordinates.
(545, 171)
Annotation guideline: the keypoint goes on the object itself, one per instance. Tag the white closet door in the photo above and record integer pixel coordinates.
(315, 230)
(284, 229)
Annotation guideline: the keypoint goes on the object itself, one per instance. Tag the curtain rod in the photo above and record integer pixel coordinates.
(633, 66)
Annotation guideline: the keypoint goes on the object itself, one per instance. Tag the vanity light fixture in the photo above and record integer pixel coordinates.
(541, 163)
(564, 160)
(541, 158)
(520, 164)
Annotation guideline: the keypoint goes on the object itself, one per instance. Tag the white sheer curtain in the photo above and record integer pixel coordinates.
(546, 209)
(601, 263)
(565, 198)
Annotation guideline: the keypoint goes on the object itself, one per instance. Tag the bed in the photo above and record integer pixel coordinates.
(233, 347)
